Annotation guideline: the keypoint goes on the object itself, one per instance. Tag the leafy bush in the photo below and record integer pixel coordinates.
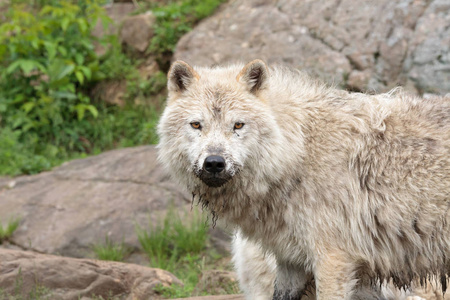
(19, 158)
(47, 57)
(48, 68)
(114, 127)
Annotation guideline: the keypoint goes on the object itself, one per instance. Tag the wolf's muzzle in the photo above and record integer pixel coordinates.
(213, 171)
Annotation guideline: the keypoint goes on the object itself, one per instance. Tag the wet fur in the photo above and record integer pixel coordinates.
(256, 271)
(338, 186)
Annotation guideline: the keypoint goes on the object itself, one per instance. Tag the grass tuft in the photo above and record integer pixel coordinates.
(167, 241)
(177, 244)
(7, 232)
(110, 250)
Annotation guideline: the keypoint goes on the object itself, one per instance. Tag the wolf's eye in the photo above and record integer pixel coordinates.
(238, 125)
(196, 125)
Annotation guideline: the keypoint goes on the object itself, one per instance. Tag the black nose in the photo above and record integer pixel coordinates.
(214, 164)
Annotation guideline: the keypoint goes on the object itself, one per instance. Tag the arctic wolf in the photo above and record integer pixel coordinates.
(341, 188)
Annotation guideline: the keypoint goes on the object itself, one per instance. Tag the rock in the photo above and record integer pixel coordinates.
(224, 297)
(359, 80)
(69, 278)
(6, 183)
(116, 12)
(111, 92)
(376, 45)
(148, 68)
(78, 204)
(137, 31)
(217, 282)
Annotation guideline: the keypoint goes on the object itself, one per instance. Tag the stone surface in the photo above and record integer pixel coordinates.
(111, 92)
(69, 278)
(375, 45)
(137, 31)
(217, 282)
(78, 204)
(117, 12)
(148, 68)
(224, 297)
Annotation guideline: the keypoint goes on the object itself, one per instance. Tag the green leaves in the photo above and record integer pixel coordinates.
(26, 65)
(46, 59)
(82, 108)
(48, 67)
(59, 69)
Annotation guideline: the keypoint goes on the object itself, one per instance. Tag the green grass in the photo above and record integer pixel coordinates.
(110, 250)
(7, 232)
(115, 127)
(188, 271)
(17, 157)
(178, 243)
(170, 239)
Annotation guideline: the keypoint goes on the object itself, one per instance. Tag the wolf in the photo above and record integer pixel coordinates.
(339, 187)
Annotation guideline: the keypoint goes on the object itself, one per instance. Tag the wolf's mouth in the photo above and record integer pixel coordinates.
(213, 180)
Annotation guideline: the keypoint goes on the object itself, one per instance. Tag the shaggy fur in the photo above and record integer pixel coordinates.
(340, 187)
(256, 274)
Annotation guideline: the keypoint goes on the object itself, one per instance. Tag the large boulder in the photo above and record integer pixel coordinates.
(362, 45)
(24, 273)
(78, 204)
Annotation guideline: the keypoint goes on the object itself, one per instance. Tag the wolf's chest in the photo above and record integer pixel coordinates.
(278, 238)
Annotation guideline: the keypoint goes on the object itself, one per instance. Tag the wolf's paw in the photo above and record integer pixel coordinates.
(414, 298)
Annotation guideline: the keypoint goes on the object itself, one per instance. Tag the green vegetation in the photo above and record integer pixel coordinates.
(188, 271)
(7, 232)
(47, 58)
(178, 245)
(110, 250)
(176, 19)
(171, 239)
(49, 70)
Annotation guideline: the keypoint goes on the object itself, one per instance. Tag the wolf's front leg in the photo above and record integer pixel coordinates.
(335, 277)
(290, 282)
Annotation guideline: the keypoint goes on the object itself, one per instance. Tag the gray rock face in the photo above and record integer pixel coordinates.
(69, 278)
(225, 297)
(137, 31)
(363, 45)
(69, 209)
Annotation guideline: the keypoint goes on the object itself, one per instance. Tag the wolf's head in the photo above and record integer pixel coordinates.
(217, 125)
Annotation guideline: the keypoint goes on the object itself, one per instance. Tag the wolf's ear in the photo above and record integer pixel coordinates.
(254, 75)
(180, 76)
